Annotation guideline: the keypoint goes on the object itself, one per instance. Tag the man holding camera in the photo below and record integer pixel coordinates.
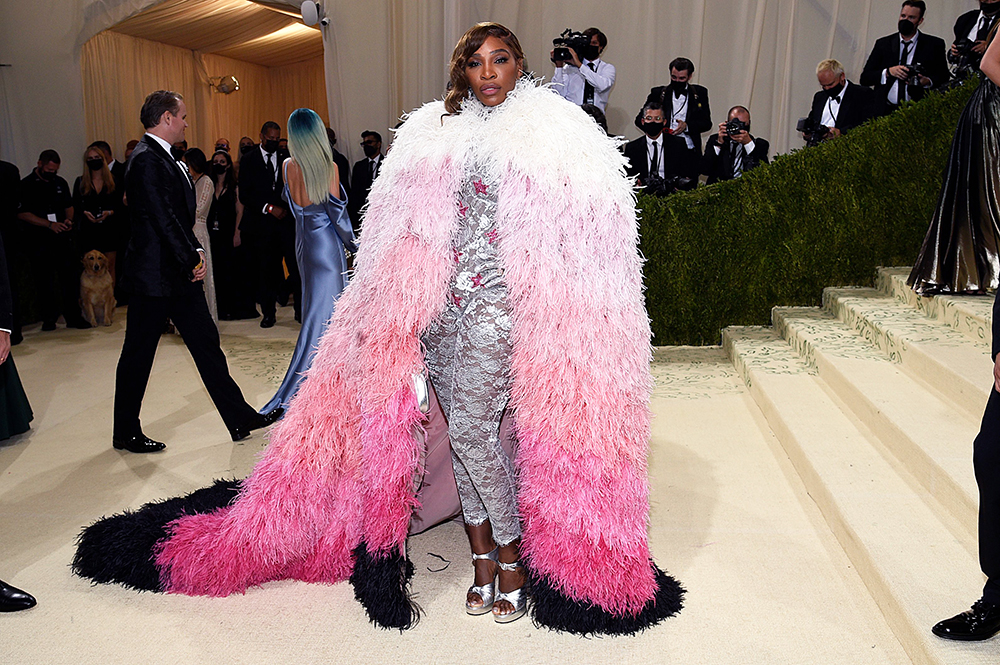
(654, 159)
(971, 32)
(839, 107)
(733, 151)
(904, 65)
(584, 78)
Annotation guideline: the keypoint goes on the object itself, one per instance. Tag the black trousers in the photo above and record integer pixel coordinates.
(147, 316)
(55, 274)
(986, 461)
(272, 241)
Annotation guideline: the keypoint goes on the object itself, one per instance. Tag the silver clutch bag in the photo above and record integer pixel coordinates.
(422, 391)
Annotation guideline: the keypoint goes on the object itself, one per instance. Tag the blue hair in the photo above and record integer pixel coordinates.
(310, 148)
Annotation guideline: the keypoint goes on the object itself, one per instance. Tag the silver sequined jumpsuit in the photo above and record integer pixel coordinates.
(468, 358)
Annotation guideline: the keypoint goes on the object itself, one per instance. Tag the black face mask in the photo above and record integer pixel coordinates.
(591, 53)
(95, 164)
(244, 149)
(176, 152)
(989, 8)
(678, 88)
(45, 175)
(835, 90)
(219, 168)
(370, 150)
(906, 28)
(652, 129)
(270, 146)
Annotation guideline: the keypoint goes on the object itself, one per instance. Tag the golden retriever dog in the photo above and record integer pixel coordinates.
(97, 290)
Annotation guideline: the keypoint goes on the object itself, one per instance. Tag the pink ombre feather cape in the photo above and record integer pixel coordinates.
(339, 470)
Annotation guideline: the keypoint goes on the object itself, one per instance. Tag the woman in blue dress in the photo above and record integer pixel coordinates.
(322, 232)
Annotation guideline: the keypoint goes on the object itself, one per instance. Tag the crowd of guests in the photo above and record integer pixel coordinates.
(670, 157)
(241, 219)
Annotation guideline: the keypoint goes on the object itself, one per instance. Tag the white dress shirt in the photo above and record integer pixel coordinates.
(974, 33)
(570, 80)
(658, 141)
(679, 114)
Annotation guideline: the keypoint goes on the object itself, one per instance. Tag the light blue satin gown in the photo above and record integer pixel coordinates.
(322, 232)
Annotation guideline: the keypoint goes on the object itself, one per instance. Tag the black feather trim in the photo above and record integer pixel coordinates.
(553, 609)
(120, 548)
(381, 584)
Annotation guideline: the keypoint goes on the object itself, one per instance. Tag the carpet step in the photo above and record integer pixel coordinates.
(928, 437)
(912, 565)
(944, 358)
(970, 315)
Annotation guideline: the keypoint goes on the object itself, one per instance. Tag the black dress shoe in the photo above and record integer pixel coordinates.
(267, 321)
(13, 599)
(48, 325)
(980, 623)
(256, 422)
(137, 444)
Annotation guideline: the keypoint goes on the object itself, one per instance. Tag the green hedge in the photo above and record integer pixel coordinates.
(825, 216)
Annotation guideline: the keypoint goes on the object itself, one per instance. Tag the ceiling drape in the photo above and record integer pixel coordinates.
(119, 71)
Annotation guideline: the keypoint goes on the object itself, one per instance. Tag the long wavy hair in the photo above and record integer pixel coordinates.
(310, 148)
(87, 181)
(471, 41)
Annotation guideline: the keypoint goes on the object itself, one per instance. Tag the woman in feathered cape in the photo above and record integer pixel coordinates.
(333, 495)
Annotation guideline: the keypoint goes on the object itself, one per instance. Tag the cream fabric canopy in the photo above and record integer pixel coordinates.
(384, 57)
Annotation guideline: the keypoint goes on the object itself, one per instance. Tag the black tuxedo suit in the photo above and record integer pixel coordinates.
(161, 256)
(930, 52)
(721, 166)
(122, 225)
(361, 185)
(856, 107)
(270, 239)
(343, 168)
(673, 155)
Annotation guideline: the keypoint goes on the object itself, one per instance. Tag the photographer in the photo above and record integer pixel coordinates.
(654, 159)
(839, 107)
(733, 151)
(971, 31)
(904, 65)
(687, 111)
(584, 78)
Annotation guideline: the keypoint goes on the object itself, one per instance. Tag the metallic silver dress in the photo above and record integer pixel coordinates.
(468, 359)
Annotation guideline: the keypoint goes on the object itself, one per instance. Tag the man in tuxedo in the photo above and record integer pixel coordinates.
(655, 160)
(973, 27)
(364, 173)
(730, 155)
(983, 620)
(12, 599)
(343, 166)
(10, 232)
(163, 272)
(267, 226)
(585, 78)
(687, 112)
(841, 105)
(891, 66)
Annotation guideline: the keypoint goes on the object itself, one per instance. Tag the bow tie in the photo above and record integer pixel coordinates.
(837, 99)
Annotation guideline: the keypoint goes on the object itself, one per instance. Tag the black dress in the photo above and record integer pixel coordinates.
(102, 236)
(960, 250)
(233, 284)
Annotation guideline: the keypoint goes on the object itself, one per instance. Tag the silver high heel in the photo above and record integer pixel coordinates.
(518, 598)
(485, 591)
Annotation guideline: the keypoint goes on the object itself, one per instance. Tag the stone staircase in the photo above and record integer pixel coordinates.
(876, 398)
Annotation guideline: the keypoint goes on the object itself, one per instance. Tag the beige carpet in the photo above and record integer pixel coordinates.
(767, 582)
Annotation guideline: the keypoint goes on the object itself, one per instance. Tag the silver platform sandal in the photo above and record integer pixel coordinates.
(485, 591)
(518, 598)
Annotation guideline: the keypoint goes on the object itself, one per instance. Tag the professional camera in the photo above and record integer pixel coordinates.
(735, 126)
(577, 41)
(963, 48)
(658, 186)
(813, 130)
(916, 71)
